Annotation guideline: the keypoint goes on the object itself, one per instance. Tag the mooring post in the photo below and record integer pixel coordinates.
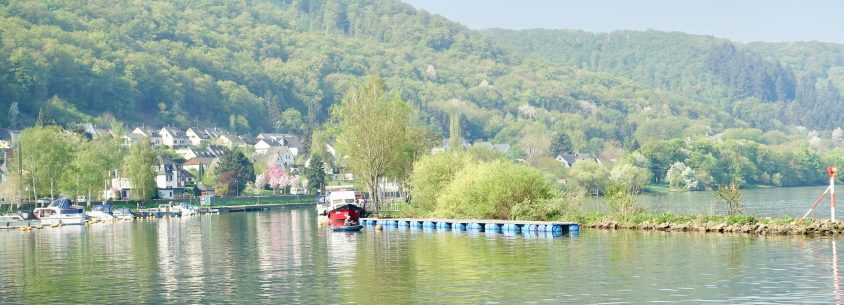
(832, 171)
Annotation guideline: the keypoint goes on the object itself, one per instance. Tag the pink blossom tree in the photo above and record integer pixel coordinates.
(277, 177)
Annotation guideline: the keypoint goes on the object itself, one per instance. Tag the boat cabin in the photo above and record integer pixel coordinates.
(340, 198)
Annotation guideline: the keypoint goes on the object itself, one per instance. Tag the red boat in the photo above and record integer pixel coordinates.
(340, 212)
(341, 204)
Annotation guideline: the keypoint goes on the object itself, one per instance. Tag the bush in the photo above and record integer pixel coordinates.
(560, 207)
(431, 175)
(492, 190)
(621, 199)
(741, 219)
(731, 194)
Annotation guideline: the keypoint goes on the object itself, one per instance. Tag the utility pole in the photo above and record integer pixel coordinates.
(20, 174)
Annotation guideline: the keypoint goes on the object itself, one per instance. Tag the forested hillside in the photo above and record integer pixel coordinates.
(261, 65)
(711, 110)
(767, 85)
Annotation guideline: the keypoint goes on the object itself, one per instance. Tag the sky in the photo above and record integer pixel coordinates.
(739, 20)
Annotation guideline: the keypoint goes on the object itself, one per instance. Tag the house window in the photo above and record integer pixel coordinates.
(169, 178)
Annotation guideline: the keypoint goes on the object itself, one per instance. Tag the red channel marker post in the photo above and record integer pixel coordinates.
(832, 171)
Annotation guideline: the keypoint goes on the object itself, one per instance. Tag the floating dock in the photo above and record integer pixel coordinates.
(243, 208)
(510, 227)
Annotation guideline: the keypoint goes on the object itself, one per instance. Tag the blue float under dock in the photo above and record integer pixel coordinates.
(509, 227)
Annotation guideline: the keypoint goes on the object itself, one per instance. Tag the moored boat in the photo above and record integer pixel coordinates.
(354, 228)
(61, 212)
(342, 205)
(322, 205)
(186, 209)
(123, 213)
(102, 212)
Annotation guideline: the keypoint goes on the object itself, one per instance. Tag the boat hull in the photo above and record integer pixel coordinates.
(354, 212)
(59, 220)
(347, 228)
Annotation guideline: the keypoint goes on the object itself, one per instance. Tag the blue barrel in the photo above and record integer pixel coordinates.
(372, 222)
(428, 224)
(541, 228)
(574, 227)
(415, 224)
(391, 223)
(510, 227)
(529, 228)
(475, 227)
(458, 226)
(491, 227)
(557, 230)
(442, 225)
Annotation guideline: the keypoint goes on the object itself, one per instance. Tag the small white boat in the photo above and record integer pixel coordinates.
(101, 212)
(185, 209)
(11, 218)
(322, 205)
(61, 212)
(123, 213)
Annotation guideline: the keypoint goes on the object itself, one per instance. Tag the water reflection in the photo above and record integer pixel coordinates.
(836, 280)
(282, 256)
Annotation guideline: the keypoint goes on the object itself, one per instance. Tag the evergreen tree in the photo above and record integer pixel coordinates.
(234, 170)
(561, 144)
(315, 174)
(455, 133)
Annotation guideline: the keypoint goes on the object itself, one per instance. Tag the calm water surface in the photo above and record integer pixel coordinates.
(283, 256)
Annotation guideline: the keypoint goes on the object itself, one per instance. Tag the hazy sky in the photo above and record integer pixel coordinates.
(741, 20)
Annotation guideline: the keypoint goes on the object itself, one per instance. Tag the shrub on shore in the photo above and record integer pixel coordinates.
(492, 190)
(431, 175)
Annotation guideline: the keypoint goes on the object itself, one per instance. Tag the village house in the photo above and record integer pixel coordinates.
(291, 141)
(198, 136)
(169, 179)
(212, 151)
(229, 140)
(8, 138)
(131, 138)
(276, 155)
(502, 148)
(568, 160)
(173, 137)
(198, 163)
(263, 145)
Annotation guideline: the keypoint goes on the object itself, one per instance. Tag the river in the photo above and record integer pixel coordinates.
(283, 256)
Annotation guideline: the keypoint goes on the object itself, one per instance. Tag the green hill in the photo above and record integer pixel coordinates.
(279, 65)
(795, 83)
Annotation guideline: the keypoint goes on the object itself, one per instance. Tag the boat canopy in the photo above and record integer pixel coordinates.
(62, 203)
(103, 208)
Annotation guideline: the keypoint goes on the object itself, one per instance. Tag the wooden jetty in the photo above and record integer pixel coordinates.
(555, 228)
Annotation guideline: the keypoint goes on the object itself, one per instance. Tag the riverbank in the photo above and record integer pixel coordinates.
(222, 201)
(746, 224)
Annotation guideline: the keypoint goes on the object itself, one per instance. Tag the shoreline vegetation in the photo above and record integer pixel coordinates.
(740, 223)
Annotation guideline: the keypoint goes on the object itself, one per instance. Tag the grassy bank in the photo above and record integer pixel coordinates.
(741, 223)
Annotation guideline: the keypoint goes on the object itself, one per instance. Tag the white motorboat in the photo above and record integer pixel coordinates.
(102, 212)
(123, 213)
(185, 209)
(61, 212)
